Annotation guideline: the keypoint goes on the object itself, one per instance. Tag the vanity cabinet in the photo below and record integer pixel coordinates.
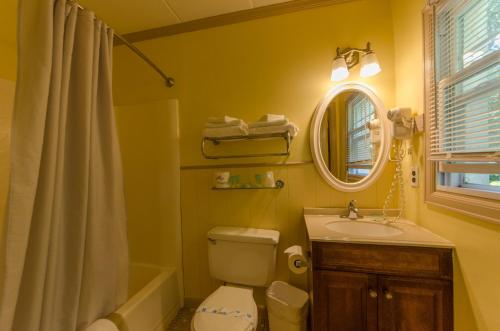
(364, 287)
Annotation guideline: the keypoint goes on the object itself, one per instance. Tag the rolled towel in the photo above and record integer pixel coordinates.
(259, 123)
(102, 325)
(221, 120)
(229, 131)
(235, 122)
(272, 118)
(290, 127)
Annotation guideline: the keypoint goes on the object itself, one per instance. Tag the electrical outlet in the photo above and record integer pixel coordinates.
(414, 176)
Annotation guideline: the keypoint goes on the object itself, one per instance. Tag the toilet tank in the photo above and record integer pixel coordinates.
(243, 256)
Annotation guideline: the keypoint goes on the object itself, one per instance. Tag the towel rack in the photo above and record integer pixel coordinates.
(217, 141)
(278, 186)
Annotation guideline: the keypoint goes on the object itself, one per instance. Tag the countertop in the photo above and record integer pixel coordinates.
(411, 235)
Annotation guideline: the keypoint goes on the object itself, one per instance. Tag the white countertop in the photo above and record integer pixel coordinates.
(411, 235)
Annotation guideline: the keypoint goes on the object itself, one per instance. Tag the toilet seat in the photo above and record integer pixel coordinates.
(228, 308)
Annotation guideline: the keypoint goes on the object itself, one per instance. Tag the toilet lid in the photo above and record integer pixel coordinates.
(228, 308)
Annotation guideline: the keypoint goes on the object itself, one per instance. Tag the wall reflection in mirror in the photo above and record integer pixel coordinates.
(350, 136)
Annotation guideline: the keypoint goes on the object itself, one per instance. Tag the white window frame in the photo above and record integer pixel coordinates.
(361, 164)
(468, 199)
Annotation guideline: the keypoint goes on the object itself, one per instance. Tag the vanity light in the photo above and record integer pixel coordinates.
(369, 65)
(349, 57)
(339, 69)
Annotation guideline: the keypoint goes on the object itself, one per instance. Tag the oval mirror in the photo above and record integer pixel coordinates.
(349, 137)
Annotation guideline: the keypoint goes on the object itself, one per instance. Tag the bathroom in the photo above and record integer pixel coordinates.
(245, 59)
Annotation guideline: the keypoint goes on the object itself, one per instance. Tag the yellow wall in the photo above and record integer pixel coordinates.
(477, 265)
(8, 18)
(149, 143)
(279, 64)
(8, 61)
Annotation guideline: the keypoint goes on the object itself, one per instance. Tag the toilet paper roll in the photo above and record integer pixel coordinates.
(297, 262)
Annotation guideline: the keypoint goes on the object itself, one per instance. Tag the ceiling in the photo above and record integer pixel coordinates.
(127, 16)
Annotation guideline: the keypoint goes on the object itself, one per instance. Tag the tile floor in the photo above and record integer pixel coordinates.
(182, 322)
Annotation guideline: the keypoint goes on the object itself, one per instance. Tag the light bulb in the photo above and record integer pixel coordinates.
(339, 69)
(369, 65)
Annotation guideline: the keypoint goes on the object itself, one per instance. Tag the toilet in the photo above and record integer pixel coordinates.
(242, 258)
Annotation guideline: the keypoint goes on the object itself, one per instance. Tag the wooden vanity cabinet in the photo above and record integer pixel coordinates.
(343, 302)
(364, 287)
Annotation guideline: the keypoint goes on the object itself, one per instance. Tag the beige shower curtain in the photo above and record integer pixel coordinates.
(66, 248)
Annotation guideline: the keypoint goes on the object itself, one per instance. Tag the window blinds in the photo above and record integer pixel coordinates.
(360, 112)
(465, 107)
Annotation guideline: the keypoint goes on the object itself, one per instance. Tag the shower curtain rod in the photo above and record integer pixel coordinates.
(169, 81)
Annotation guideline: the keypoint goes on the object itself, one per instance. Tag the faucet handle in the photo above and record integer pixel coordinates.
(352, 210)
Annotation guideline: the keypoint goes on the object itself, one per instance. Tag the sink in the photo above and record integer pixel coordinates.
(328, 225)
(363, 228)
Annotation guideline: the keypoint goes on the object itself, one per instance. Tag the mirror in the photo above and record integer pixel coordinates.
(348, 137)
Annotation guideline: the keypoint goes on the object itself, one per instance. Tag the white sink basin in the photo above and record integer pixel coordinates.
(327, 225)
(363, 228)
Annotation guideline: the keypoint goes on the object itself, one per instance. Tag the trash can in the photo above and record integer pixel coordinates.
(287, 307)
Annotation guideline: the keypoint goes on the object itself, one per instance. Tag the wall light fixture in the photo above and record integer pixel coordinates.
(348, 57)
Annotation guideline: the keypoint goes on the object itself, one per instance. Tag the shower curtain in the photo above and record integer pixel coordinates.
(66, 253)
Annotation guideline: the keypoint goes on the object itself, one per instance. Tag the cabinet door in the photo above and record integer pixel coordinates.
(344, 301)
(408, 304)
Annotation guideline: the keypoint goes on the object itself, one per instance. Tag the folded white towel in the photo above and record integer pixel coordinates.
(290, 127)
(235, 122)
(272, 118)
(229, 131)
(223, 119)
(102, 325)
(259, 124)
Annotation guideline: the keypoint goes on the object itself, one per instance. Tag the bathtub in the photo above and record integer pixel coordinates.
(154, 299)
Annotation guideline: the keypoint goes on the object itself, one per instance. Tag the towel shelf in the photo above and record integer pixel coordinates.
(279, 185)
(217, 141)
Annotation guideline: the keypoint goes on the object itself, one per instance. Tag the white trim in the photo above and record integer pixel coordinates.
(471, 168)
(469, 192)
(315, 141)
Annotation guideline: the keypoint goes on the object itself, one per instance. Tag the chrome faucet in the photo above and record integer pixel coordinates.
(352, 211)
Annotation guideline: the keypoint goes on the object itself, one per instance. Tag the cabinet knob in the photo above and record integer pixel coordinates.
(373, 294)
(388, 295)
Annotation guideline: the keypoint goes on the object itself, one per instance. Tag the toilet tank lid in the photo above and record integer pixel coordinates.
(249, 235)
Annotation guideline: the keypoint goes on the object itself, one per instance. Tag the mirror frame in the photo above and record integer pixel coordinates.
(315, 142)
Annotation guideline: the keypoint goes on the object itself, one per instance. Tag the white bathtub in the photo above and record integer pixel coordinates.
(154, 299)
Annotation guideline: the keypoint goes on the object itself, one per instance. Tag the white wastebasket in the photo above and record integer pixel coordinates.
(287, 307)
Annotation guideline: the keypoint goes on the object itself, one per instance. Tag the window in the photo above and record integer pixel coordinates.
(463, 105)
(360, 111)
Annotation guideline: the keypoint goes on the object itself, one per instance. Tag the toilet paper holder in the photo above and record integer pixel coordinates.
(300, 263)
(297, 262)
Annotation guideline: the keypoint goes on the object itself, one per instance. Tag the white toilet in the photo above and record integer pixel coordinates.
(241, 257)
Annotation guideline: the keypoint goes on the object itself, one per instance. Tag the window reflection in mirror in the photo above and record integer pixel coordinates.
(350, 136)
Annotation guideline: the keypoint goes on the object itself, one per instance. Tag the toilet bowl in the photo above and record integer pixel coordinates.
(228, 308)
(244, 257)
